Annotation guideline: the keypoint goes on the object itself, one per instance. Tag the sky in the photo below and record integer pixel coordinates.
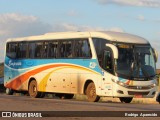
(19, 18)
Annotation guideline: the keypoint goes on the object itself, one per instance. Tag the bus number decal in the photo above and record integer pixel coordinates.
(92, 65)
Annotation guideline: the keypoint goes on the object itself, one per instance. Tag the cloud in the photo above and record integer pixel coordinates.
(140, 3)
(72, 13)
(74, 27)
(17, 25)
(141, 18)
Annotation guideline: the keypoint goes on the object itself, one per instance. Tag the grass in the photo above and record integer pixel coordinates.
(2, 88)
(1, 69)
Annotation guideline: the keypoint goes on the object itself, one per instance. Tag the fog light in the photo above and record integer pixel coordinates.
(154, 93)
(153, 85)
(120, 91)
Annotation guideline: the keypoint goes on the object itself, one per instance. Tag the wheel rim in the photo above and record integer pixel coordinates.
(91, 93)
(33, 89)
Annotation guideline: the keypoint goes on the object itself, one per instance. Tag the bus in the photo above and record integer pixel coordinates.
(95, 64)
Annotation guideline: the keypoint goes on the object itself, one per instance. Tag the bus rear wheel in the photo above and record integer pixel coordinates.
(33, 91)
(9, 91)
(91, 93)
(125, 99)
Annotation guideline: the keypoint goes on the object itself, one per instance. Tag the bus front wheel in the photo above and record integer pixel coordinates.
(125, 99)
(91, 93)
(33, 91)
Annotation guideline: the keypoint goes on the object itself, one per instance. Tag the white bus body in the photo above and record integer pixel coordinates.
(92, 63)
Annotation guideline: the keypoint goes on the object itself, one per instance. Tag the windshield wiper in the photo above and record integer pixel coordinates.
(146, 74)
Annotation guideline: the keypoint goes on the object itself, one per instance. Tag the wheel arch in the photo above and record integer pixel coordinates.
(86, 84)
(31, 79)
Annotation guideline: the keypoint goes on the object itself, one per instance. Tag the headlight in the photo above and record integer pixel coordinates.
(153, 85)
(120, 83)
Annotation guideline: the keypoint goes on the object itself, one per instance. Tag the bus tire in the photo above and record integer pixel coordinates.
(9, 91)
(91, 93)
(125, 99)
(33, 91)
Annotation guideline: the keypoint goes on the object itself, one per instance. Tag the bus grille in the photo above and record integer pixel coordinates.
(137, 93)
(139, 87)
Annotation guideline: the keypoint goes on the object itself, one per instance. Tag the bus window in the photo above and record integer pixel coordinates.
(69, 49)
(31, 48)
(82, 49)
(39, 50)
(11, 50)
(44, 50)
(62, 49)
(52, 50)
(99, 45)
(65, 49)
(22, 50)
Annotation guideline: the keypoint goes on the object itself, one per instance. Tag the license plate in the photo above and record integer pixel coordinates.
(138, 96)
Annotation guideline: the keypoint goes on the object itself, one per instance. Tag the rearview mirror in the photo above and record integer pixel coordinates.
(155, 54)
(114, 49)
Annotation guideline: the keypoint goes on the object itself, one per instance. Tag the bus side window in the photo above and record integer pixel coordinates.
(76, 49)
(52, 50)
(65, 49)
(69, 49)
(22, 50)
(39, 50)
(11, 50)
(82, 49)
(31, 48)
(86, 52)
(44, 50)
(61, 47)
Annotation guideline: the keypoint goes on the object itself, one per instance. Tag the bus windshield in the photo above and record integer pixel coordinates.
(135, 62)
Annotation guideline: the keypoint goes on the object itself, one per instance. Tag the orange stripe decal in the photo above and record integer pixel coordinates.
(18, 81)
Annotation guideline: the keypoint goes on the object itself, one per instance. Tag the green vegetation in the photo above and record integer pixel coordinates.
(2, 89)
(1, 69)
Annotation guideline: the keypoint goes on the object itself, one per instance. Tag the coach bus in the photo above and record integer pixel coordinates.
(96, 64)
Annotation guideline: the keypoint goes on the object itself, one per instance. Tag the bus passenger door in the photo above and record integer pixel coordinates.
(107, 65)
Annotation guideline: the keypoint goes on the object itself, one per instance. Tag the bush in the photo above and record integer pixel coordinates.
(2, 88)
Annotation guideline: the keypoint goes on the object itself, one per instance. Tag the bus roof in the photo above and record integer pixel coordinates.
(109, 35)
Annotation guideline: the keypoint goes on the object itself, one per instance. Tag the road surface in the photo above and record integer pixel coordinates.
(25, 103)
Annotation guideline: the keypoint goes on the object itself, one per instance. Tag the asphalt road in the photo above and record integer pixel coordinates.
(60, 106)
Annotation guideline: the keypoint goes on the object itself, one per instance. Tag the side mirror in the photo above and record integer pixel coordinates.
(155, 54)
(114, 49)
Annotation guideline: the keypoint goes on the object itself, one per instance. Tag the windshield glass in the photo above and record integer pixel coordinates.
(135, 62)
